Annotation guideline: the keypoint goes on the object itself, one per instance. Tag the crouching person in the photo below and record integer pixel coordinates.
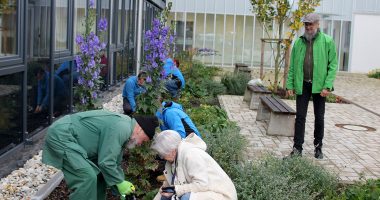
(190, 172)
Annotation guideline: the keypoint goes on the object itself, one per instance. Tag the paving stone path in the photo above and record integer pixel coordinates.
(349, 153)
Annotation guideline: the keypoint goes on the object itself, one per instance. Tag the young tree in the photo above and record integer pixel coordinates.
(279, 12)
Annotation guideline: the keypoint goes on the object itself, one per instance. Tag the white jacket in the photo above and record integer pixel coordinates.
(197, 172)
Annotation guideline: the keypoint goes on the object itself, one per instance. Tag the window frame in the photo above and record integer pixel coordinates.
(18, 58)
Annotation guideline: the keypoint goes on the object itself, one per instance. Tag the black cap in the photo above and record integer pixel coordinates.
(148, 124)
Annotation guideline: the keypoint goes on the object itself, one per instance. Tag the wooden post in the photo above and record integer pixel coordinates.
(262, 59)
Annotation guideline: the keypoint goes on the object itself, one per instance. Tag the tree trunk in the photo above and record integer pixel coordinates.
(278, 58)
(286, 69)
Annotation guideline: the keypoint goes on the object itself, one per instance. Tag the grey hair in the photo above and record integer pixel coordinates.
(165, 142)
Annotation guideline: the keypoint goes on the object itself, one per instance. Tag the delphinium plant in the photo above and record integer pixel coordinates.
(159, 44)
(88, 60)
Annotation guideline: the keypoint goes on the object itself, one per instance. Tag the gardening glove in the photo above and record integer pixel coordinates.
(125, 188)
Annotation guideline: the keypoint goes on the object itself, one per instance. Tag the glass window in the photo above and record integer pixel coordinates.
(248, 40)
(131, 38)
(8, 28)
(61, 18)
(62, 73)
(79, 17)
(189, 31)
(119, 21)
(209, 39)
(11, 111)
(118, 65)
(105, 13)
(38, 99)
(219, 40)
(239, 39)
(180, 28)
(228, 39)
(199, 33)
(257, 43)
(38, 33)
(345, 46)
(128, 12)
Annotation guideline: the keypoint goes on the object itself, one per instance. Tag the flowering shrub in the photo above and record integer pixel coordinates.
(158, 46)
(88, 61)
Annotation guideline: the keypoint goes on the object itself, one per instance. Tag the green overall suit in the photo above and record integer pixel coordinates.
(88, 148)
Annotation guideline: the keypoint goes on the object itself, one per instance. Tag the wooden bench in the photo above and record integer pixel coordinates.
(253, 93)
(279, 115)
(241, 67)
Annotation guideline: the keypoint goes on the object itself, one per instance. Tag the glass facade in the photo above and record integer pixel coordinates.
(61, 19)
(11, 119)
(8, 28)
(227, 32)
(40, 86)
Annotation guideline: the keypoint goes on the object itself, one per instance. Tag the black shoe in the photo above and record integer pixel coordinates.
(318, 153)
(295, 153)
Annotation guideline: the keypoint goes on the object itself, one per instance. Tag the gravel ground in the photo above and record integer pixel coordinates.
(24, 182)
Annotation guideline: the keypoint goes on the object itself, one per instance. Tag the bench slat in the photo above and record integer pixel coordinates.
(259, 89)
(277, 105)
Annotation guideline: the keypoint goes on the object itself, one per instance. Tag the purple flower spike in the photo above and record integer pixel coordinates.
(102, 25)
(148, 79)
(92, 3)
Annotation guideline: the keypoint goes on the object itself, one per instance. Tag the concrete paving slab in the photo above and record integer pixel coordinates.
(351, 154)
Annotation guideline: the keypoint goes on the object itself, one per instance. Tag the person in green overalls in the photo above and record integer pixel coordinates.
(88, 148)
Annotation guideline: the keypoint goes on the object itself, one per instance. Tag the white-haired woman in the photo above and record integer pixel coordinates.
(191, 174)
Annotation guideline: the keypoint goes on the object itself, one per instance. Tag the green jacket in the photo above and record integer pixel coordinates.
(324, 60)
(93, 138)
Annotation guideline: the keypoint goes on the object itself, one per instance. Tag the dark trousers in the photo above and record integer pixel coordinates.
(127, 107)
(302, 102)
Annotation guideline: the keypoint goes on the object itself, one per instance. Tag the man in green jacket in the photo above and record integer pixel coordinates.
(88, 147)
(313, 66)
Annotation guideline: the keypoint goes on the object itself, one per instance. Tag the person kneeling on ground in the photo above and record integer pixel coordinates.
(88, 147)
(190, 172)
(172, 117)
(133, 87)
(174, 78)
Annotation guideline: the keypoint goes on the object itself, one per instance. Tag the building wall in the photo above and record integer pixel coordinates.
(365, 50)
(227, 32)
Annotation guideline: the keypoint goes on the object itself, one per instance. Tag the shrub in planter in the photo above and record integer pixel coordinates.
(235, 83)
(226, 146)
(370, 189)
(273, 178)
(210, 118)
(374, 74)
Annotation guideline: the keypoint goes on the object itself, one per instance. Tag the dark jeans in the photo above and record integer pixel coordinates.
(127, 107)
(302, 102)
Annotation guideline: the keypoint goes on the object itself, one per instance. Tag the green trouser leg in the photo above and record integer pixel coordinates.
(84, 183)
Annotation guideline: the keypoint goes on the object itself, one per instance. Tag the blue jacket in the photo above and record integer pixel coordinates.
(44, 92)
(172, 117)
(170, 68)
(131, 90)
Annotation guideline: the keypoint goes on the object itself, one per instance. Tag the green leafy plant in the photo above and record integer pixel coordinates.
(226, 146)
(139, 167)
(210, 118)
(374, 74)
(274, 178)
(235, 83)
(368, 190)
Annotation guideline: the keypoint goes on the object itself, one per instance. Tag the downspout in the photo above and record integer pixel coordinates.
(139, 36)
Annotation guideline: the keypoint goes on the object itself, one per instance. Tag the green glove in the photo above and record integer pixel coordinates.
(125, 188)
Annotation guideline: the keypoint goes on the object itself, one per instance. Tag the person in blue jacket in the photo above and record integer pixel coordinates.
(43, 91)
(172, 117)
(63, 72)
(174, 78)
(133, 86)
